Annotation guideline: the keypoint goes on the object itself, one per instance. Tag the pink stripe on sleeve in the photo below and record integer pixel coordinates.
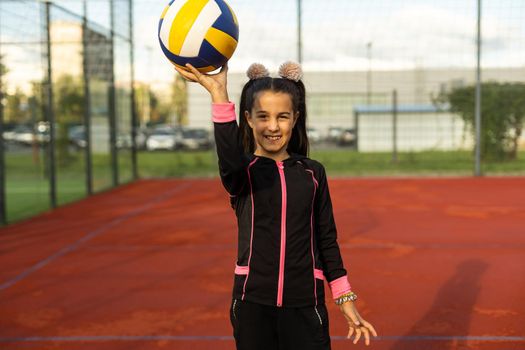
(241, 270)
(318, 274)
(340, 286)
(223, 112)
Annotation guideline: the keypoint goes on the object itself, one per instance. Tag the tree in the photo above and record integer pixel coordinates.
(3, 68)
(16, 108)
(503, 115)
(69, 110)
(151, 109)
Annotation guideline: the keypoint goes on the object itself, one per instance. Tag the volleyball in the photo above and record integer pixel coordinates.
(203, 33)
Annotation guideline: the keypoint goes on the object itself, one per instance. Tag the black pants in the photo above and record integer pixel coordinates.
(265, 327)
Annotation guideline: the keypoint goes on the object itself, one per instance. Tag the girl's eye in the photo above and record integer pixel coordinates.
(284, 116)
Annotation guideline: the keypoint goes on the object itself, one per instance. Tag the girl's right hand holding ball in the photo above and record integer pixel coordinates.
(214, 83)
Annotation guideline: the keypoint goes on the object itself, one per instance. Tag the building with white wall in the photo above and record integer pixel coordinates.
(333, 96)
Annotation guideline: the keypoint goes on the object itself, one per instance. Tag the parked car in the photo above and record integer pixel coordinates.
(347, 137)
(9, 132)
(164, 138)
(27, 135)
(313, 135)
(77, 136)
(141, 138)
(124, 140)
(194, 138)
(334, 133)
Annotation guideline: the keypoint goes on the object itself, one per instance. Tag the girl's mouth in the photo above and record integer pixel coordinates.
(273, 138)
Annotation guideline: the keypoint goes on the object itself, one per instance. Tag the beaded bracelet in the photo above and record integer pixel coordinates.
(350, 296)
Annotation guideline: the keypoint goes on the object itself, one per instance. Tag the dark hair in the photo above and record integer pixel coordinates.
(299, 140)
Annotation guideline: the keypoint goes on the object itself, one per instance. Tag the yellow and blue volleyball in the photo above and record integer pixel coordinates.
(203, 33)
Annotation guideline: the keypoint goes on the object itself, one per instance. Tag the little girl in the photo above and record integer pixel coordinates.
(287, 238)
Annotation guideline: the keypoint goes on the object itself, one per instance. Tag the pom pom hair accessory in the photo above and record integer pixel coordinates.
(257, 71)
(288, 70)
(291, 70)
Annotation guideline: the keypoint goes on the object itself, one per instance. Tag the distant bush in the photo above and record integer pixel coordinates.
(502, 111)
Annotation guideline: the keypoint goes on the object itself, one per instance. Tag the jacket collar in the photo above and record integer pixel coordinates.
(294, 157)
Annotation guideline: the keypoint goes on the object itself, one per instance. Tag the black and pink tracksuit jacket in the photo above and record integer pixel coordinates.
(287, 238)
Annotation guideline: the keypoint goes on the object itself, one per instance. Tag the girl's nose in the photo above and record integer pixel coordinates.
(273, 125)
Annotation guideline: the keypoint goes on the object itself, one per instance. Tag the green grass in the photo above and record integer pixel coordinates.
(461, 163)
(177, 164)
(337, 162)
(27, 186)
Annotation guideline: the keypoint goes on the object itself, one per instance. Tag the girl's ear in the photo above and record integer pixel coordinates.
(248, 118)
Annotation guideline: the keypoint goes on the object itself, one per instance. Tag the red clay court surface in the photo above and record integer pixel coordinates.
(437, 264)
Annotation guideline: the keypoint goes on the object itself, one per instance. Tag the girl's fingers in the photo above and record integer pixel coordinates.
(201, 78)
(357, 335)
(350, 332)
(196, 73)
(366, 333)
(367, 336)
(370, 327)
(185, 74)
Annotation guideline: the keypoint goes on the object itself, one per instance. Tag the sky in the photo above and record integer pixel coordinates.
(404, 34)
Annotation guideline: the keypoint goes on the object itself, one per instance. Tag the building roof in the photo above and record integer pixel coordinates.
(383, 109)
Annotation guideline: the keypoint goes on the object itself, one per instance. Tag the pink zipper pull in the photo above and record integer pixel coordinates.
(280, 165)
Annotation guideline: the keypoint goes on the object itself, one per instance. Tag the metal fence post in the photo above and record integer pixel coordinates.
(356, 130)
(3, 204)
(394, 126)
(87, 102)
(477, 167)
(134, 123)
(299, 31)
(49, 111)
(112, 100)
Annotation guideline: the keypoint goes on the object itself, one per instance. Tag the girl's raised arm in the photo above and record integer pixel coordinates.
(232, 160)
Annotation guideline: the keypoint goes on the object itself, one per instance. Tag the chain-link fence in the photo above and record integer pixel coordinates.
(66, 118)
(391, 90)
(391, 84)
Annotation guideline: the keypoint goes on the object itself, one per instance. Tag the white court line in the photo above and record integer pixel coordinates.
(487, 338)
(88, 236)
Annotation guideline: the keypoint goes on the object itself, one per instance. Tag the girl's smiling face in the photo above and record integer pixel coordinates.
(272, 120)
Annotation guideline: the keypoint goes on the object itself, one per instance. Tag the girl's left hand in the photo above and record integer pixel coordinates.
(356, 322)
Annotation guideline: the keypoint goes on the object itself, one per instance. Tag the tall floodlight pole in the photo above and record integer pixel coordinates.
(477, 171)
(299, 31)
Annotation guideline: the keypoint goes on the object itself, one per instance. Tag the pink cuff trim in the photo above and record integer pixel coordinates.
(241, 270)
(318, 274)
(223, 112)
(340, 286)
